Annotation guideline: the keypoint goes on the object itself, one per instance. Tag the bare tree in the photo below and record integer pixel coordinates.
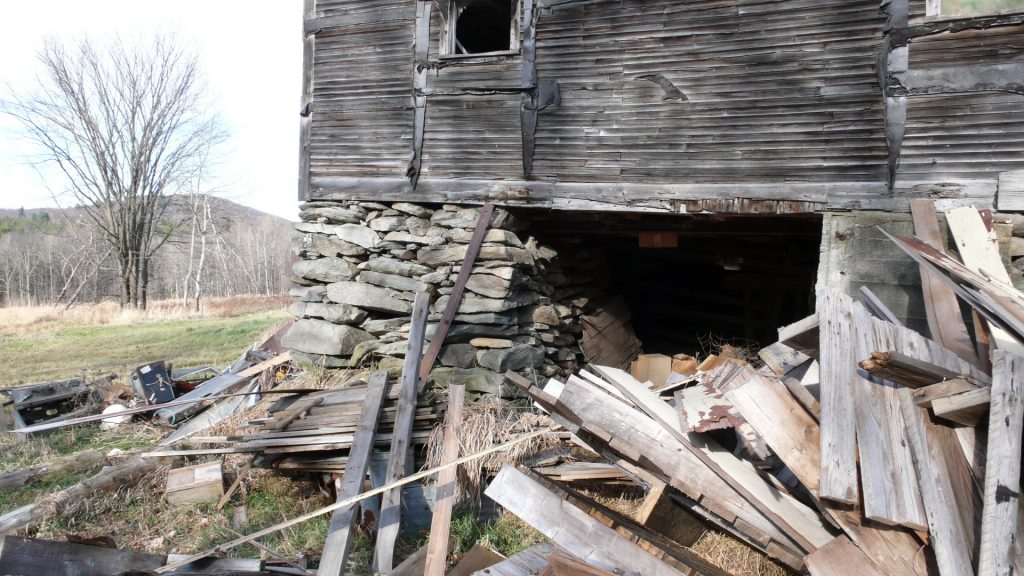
(127, 126)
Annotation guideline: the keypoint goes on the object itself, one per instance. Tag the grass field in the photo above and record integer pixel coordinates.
(39, 344)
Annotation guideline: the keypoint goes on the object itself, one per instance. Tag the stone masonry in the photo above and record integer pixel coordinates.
(361, 264)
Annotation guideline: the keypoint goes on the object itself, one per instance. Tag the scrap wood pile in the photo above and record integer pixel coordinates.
(885, 452)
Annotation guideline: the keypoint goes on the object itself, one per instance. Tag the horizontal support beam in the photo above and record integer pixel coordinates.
(957, 80)
(749, 198)
(901, 36)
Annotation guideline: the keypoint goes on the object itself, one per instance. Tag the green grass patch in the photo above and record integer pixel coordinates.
(62, 350)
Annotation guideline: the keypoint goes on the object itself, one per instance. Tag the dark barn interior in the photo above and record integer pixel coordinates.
(692, 281)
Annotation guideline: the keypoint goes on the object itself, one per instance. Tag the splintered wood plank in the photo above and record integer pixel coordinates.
(794, 519)
(951, 539)
(447, 480)
(778, 418)
(888, 476)
(838, 478)
(573, 529)
(398, 459)
(999, 520)
(979, 252)
(339, 535)
(478, 558)
(838, 558)
(891, 548)
(945, 320)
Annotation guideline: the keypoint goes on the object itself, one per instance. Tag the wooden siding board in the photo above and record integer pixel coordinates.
(777, 92)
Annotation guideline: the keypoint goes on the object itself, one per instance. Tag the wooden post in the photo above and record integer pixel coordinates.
(440, 525)
(336, 548)
(999, 519)
(391, 503)
(455, 299)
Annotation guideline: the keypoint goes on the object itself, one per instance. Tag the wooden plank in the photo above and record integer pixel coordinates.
(793, 519)
(875, 304)
(802, 335)
(924, 396)
(979, 252)
(561, 564)
(888, 477)
(479, 557)
(965, 408)
(899, 368)
(950, 540)
(781, 358)
(339, 535)
(777, 417)
(447, 482)
(529, 562)
(999, 520)
(455, 299)
(571, 528)
(945, 320)
(838, 558)
(398, 459)
(413, 565)
(25, 556)
(838, 475)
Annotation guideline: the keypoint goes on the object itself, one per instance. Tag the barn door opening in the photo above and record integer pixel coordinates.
(690, 283)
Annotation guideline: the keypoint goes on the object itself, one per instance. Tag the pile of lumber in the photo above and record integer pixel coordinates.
(314, 432)
(881, 449)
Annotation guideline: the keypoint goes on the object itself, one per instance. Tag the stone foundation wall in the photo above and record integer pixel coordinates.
(361, 264)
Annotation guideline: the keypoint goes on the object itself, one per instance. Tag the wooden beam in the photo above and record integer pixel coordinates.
(447, 482)
(420, 67)
(923, 397)
(305, 112)
(399, 458)
(901, 369)
(339, 536)
(455, 298)
(965, 408)
(999, 520)
(530, 100)
(945, 320)
(838, 471)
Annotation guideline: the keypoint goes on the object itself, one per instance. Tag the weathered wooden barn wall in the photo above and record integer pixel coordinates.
(730, 105)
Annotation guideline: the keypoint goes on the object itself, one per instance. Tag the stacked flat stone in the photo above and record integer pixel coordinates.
(361, 265)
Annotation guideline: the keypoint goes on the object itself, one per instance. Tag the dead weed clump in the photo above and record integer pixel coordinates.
(485, 424)
(735, 557)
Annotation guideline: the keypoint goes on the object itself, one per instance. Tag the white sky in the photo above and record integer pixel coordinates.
(251, 54)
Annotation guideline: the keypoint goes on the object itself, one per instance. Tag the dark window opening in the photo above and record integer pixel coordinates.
(485, 26)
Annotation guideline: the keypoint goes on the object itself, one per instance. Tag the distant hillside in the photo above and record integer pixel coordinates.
(227, 208)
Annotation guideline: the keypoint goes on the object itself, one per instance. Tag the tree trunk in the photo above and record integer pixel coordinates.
(71, 464)
(110, 478)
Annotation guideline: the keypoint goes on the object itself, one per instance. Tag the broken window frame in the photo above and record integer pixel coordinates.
(933, 11)
(450, 10)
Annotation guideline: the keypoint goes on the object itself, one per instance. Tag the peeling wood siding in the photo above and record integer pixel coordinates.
(964, 136)
(676, 105)
(362, 103)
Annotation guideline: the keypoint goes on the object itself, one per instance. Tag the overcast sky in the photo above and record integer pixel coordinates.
(251, 54)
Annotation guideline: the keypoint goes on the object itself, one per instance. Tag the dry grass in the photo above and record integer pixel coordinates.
(737, 558)
(485, 424)
(109, 313)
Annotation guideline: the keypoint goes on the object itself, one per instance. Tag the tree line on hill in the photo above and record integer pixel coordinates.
(213, 248)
